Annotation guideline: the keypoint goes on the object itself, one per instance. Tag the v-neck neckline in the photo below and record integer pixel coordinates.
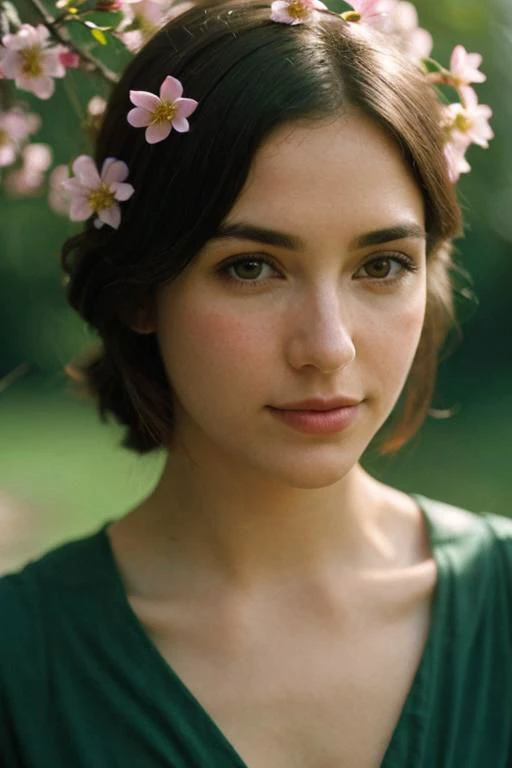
(416, 695)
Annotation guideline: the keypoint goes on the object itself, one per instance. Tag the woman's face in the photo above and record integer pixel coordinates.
(315, 287)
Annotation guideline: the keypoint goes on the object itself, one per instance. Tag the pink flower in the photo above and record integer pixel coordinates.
(15, 127)
(160, 115)
(469, 122)
(294, 11)
(142, 18)
(91, 192)
(28, 179)
(369, 12)
(403, 26)
(30, 62)
(464, 69)
(455, 154)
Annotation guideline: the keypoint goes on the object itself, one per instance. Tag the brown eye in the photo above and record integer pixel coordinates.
(247, 270)
(386, 269)
(378, 268)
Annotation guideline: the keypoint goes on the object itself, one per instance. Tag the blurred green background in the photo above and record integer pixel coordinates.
(62, 472)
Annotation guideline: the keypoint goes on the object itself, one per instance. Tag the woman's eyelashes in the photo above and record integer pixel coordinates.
(252, 270)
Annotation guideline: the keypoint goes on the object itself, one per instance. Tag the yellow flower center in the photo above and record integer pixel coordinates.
(298, 10)
(101, 198)
(462, 123)
(164, 113)
(31, 61)
(352, 16)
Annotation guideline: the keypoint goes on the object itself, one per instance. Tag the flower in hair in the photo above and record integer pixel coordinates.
(159, 115)
(368, 11)
(469, 122)
(464, 69)
(98, 193)
(294, 11)
(455, 154)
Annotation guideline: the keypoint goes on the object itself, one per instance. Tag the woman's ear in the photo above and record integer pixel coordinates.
(143, 321)
(140, 319)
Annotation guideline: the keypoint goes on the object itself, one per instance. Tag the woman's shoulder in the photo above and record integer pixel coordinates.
(470, 542)
(34, 596)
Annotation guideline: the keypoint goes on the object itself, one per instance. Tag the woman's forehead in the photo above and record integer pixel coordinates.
(313, 175)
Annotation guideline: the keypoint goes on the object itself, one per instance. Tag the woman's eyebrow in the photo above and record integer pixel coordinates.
(244, 231)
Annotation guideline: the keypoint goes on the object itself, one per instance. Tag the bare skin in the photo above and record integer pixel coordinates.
(288, 589)
(311, 672)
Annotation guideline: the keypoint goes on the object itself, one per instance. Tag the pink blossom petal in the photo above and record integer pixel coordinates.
(171, 89)
(74, 186)
(122, 191)
(43, 33)
(113, 171)
(139, 117)
(43, 87)
(79, 209)
(180, 124)
(85, 168)
(145, 100)
(111, 216)
(456, 161)
(158, 132)
(467, 94)
(53, 65)
(7, 155)
(420, 44)
(457, 58)
(471, 101)
(185, 107)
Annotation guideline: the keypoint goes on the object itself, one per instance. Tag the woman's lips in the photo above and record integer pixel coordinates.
(316, 422)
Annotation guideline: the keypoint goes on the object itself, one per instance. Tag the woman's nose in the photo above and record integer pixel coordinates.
(321, 335)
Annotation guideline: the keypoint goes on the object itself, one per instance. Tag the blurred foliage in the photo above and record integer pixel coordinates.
(464, 459)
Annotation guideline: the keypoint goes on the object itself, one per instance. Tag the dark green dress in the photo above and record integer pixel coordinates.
(83, 686)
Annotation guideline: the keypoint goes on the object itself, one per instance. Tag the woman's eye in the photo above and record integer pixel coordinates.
(387, 268)
(248, 270)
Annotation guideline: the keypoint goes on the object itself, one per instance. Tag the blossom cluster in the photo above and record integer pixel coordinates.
(33, 58)
(464, 122)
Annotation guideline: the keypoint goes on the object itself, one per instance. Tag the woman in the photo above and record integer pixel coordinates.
(266, 262)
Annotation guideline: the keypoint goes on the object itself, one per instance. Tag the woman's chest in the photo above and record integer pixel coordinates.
(304, 699)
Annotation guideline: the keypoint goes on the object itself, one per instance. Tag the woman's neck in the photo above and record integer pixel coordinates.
(232, 530)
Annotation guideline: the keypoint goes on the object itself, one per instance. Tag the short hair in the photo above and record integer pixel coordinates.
(250, 76)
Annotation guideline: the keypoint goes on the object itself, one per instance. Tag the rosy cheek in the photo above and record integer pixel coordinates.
(221, 340)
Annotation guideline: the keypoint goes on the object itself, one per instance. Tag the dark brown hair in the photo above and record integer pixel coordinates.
(250, 75)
